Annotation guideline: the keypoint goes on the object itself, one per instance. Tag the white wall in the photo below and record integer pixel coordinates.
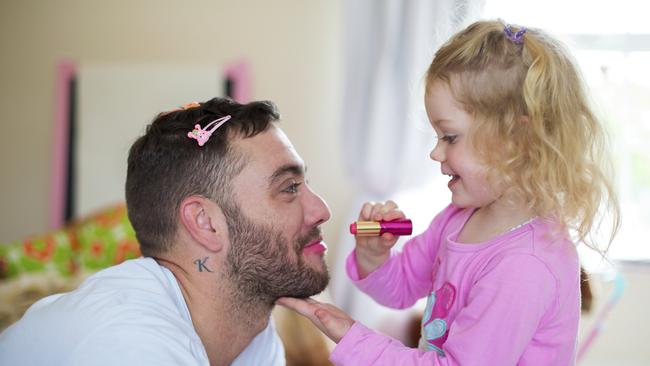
(293, 48)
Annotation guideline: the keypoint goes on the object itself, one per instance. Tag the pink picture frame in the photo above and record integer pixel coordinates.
(236, 73)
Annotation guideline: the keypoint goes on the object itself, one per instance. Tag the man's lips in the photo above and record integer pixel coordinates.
(317, 246)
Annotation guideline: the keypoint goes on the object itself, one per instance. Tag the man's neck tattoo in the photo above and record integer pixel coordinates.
(201, 265)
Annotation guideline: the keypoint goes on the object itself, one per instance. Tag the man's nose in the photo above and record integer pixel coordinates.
(316, 210)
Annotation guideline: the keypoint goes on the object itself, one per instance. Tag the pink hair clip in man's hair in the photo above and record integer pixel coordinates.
(203, 135)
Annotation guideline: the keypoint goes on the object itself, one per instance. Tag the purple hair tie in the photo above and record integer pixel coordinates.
(518, 37)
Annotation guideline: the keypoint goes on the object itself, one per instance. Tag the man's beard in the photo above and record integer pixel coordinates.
(260, 265)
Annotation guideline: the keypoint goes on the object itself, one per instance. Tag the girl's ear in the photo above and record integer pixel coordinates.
(203, 221)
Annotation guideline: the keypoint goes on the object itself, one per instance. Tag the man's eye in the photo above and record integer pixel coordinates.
(292, 188)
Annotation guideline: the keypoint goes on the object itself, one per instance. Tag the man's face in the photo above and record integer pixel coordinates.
(274, 220)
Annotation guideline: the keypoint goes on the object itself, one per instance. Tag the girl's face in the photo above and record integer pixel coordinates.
(468, 184)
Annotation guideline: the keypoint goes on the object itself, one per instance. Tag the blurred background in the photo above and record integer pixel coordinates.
(347, 78)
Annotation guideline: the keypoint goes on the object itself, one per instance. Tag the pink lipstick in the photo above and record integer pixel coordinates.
(377, 228)
(315, 247)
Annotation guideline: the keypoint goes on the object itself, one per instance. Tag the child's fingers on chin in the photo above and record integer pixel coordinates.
(322, 315)
(331, 308)
(299, 305)
(311, 301)
(284, 301)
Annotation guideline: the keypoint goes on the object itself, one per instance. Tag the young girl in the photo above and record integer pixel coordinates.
(498, 266)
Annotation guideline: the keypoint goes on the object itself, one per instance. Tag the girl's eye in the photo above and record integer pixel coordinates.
(450, 139)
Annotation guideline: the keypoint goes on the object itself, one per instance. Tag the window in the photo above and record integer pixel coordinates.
(611, 43)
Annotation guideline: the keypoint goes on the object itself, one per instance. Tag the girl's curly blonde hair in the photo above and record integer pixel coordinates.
(533, 123)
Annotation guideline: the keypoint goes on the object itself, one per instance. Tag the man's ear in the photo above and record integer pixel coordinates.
(203, 221)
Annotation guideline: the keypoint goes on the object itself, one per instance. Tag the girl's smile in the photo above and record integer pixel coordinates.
(468, 184)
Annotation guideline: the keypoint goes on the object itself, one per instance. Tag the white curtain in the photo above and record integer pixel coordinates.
(388, 47)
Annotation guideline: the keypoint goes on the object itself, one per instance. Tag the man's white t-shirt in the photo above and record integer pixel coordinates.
(130, 314)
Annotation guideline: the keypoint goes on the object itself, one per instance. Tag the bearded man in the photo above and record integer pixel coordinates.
(227, 224)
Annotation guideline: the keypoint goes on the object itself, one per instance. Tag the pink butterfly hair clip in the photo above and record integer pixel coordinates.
(202, 135)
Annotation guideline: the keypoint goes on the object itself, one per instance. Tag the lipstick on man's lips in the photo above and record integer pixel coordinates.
(377, 228)
(317, 246)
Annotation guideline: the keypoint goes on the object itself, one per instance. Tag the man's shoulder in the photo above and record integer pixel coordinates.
(143, 267)
(135, 301)
(135, 285)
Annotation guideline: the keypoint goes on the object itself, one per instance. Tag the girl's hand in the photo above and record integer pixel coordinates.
(372, 252)
(332, 321)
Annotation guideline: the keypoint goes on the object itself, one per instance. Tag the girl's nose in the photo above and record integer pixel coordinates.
(438, 153)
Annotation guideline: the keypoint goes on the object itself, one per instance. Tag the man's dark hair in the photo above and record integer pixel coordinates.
(165, 165)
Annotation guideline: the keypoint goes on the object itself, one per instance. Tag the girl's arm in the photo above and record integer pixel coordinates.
(502, 314)
(406, 276)
(404, 279)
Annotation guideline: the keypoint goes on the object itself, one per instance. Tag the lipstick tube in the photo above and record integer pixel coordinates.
(377, 228)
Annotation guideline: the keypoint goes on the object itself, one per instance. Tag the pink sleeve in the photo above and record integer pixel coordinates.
(407, 276)
(361, 346)
(504, 308)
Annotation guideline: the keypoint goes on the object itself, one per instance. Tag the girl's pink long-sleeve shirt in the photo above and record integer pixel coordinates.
(513, 300)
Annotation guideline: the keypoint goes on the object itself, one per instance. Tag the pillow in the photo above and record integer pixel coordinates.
(106, 239)
(98, 241)
(50, 253)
